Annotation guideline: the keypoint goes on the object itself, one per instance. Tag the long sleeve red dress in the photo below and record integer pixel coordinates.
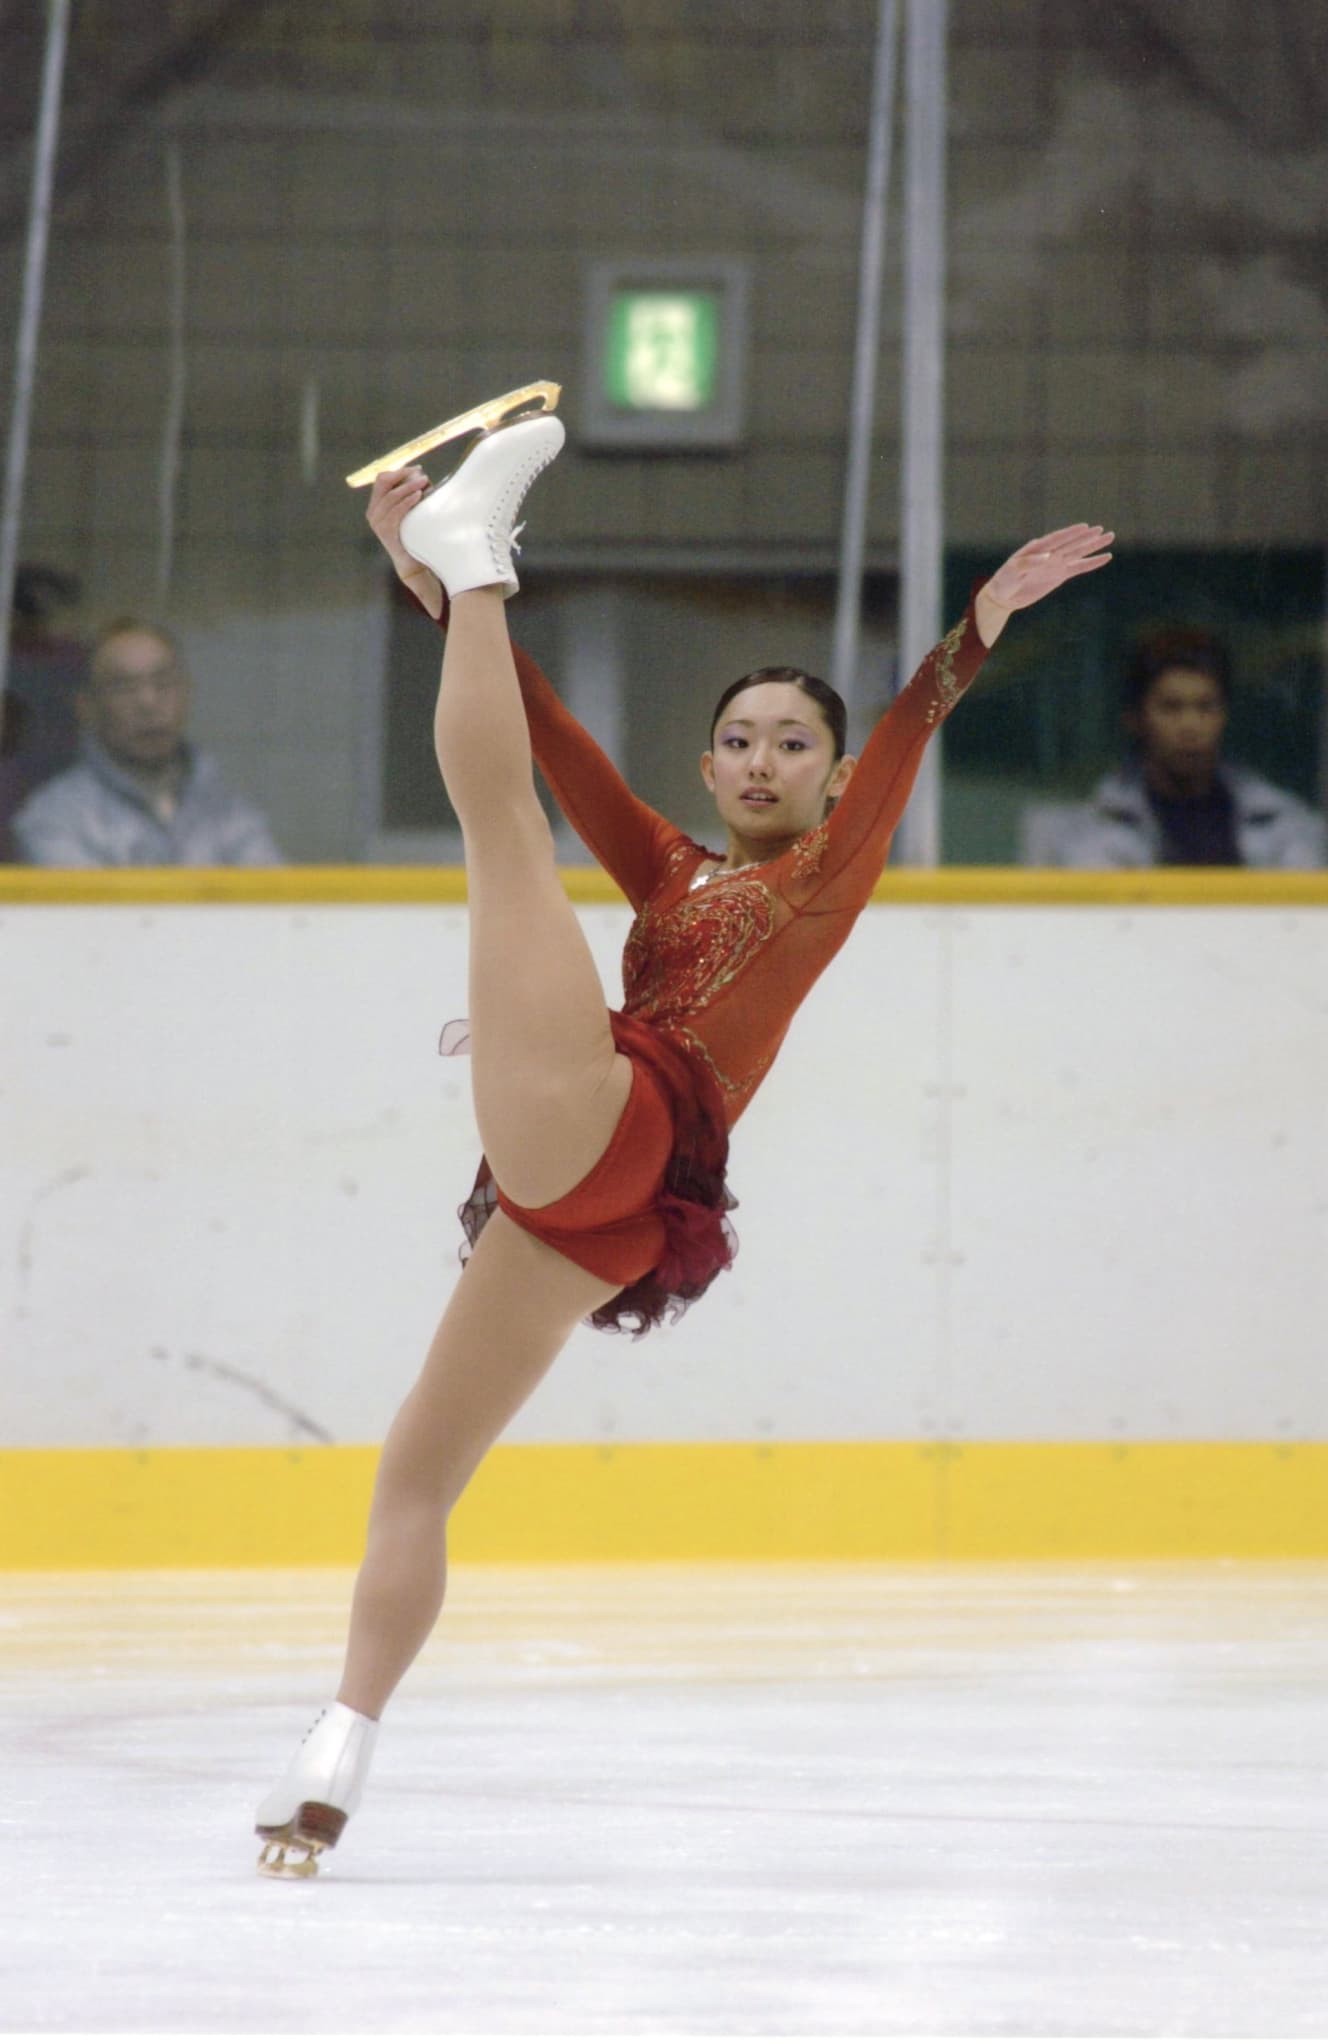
(713, 974)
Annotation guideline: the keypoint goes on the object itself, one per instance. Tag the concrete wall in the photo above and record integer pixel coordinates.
(1020, 1174)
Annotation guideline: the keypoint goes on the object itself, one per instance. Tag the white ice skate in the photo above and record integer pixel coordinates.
(306, 1812)
(463, 529)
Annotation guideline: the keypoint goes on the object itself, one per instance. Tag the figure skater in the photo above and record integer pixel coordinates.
(601, 1195)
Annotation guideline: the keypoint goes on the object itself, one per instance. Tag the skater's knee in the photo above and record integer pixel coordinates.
(421, 1477)
(505, 825)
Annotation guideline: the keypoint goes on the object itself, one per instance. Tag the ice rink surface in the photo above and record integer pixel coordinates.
(860, 1800)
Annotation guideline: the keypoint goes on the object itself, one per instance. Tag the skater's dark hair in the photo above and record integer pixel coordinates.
(827, 699)
(1157, 652)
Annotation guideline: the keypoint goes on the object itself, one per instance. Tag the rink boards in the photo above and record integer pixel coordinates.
(1033, 1216)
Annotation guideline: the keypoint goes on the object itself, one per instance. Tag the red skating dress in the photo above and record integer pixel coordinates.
(712, 976)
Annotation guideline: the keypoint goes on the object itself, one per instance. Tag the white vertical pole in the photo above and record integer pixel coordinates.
(592, 623)
(29, 318)
(862, 405)
(593, 664)
(922, 539)
(168, 475)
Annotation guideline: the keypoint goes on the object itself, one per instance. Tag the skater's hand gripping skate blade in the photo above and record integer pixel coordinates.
(495, 411)
(306, 1813)
(396, 492)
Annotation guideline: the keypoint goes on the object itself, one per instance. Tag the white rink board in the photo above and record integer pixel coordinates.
(1019, 1173)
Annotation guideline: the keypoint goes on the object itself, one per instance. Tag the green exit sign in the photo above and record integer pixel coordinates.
(665, 354)
(663, 350)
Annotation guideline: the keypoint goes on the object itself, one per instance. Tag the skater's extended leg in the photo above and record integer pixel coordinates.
(512, 1311)
(549, 1086)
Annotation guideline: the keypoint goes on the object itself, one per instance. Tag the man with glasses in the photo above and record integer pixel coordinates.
(141, 794)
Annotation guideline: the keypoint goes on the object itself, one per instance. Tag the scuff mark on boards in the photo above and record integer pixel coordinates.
(227, 1373)
(27, 1235)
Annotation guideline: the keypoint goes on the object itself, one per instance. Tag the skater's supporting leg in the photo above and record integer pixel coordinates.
(511, 1313)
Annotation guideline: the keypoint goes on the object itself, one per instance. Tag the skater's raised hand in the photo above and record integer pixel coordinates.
(1038, 568)
(395, 492)
(1043, 564)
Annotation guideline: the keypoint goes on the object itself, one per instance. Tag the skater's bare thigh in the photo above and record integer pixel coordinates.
(513, 1309)
(550, 1087)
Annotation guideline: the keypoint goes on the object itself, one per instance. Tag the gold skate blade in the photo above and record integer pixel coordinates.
(496, 411)
(275, 1861)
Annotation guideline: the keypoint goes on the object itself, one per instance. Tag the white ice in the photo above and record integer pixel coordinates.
(768, 1800)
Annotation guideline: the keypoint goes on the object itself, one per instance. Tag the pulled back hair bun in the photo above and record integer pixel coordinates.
(828, 700)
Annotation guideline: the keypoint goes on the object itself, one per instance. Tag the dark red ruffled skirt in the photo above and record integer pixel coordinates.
(653, 1212)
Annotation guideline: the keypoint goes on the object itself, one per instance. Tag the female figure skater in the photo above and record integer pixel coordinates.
(601, 1194)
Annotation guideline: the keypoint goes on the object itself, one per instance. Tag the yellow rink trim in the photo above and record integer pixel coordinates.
(81, 1508)
(958, 886)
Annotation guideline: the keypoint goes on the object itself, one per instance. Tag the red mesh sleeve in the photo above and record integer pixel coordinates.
(843, 867)
(628, 838)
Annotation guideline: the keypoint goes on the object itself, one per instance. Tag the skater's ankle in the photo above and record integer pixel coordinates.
(347, 1699)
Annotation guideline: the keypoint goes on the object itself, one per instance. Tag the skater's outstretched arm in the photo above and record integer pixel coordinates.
(865, 818)
(628, 838)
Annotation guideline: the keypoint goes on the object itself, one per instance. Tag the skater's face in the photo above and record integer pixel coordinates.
(137, 699)
(772, 769)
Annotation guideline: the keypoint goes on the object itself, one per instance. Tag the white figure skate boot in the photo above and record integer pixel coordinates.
(464, 528)
(307, 1811)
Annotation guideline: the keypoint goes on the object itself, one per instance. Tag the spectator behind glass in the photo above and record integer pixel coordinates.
(1175, 802)
(141, 795)
(38, 713)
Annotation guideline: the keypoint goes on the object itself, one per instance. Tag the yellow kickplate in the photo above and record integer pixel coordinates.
(532, 397)
(221, 1508)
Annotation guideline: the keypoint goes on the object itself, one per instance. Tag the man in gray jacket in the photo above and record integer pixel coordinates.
(140, 795)
(1175, 802)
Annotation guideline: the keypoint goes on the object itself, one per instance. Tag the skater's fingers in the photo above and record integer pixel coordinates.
(394, 483)
(1083, 543)
(1050, 539)
(394, 492)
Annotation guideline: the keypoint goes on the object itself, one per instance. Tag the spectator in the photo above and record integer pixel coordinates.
(140, 795)
(38, 714)
(1175, 802)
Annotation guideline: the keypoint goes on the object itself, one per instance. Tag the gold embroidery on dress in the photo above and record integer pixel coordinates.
(679, 959)
(809, 852)
(948, 688)
(734, 1088)
(677, 855)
